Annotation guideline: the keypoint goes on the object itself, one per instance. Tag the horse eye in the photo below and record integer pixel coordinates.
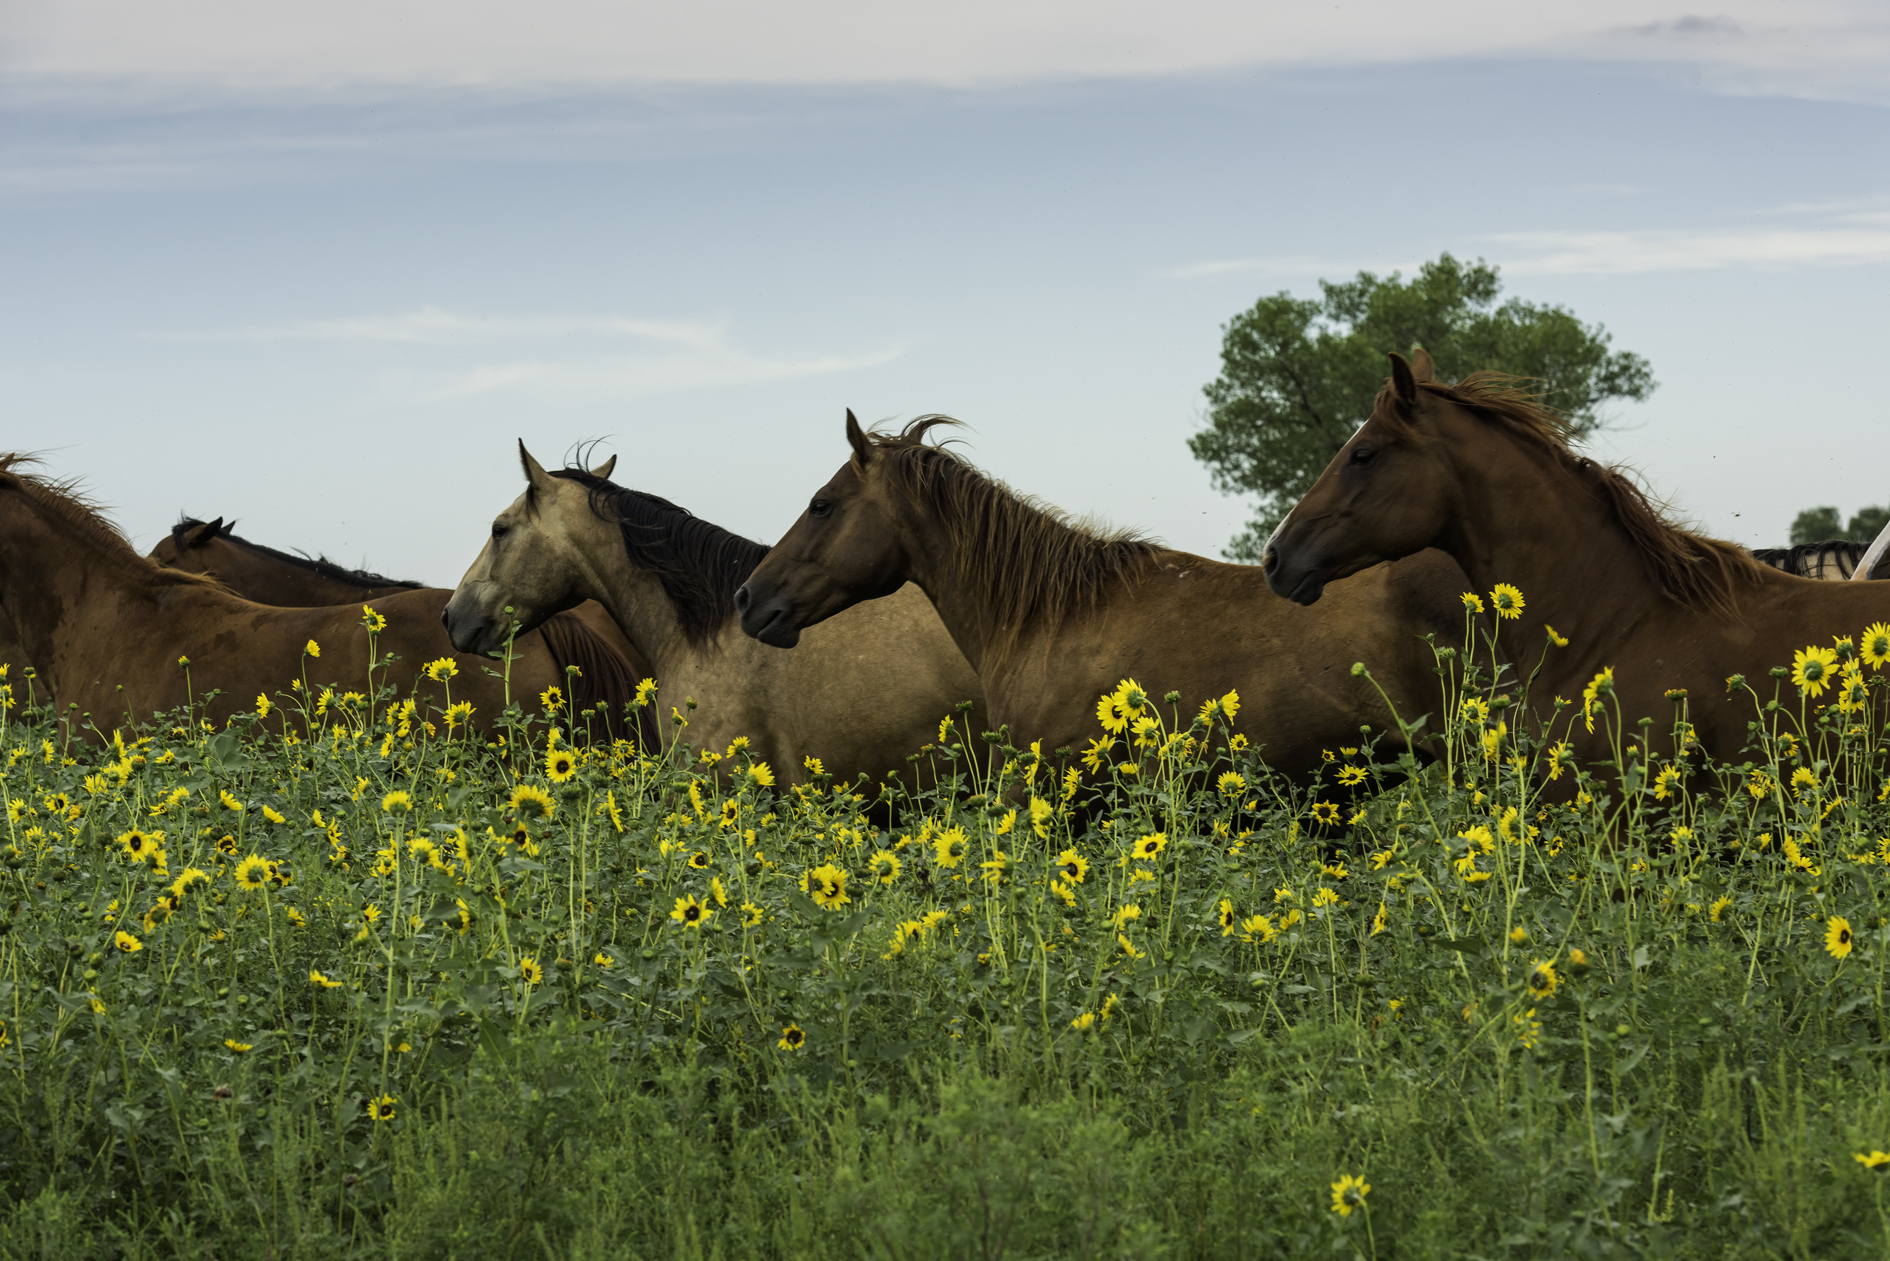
(819, 508)
(499, 531)
(1362, 455)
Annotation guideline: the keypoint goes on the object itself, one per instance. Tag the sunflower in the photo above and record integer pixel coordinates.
(1348, 1193)
(552, 697)
(761, 775)
(949, 849)
(1876, 647)
(126, 943)
(827, 885)
(372, 620)
(1230, 920)
(646, 688)
(752, 915)
(252, 874)
(1873, 1160)
(1599, 686)
(530, 970)
(1837, 937)
(1151, 845)
(312, 649)
(315, 977)
(1717, 912)
(560, 765)
(1472, 601)
(1351, 775)
(1812, 669)
(1507, 601)
(1119, 708)
(239, 1047)
(531, 798)
(137, 845)
(699, 861)
(691, 913)
(396, 800)
(1667, 783)
(997, 868)
(1072, 866)
(442, 669)
(1326, 812)
(381, 1109)
(1542, 979)
(884, 866)
(792, 1038)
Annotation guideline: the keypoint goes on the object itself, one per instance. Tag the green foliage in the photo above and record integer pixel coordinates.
(1001, 1057)
(1819, 525)
(1298, 376)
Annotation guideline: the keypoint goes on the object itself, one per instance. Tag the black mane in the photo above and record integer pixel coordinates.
(1808, 560)
(700, 565)
(313, 564)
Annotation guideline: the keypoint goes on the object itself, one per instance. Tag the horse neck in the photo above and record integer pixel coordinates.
(267, 580)
(1521, 518)
(635, 599)
(57, 578)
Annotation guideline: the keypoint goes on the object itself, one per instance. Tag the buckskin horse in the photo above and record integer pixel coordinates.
(584, 636)
(109, 626)
(866, 693)
(1054, 614)
(1483, 471)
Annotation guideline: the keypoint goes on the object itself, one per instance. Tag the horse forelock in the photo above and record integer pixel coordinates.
(1035, 565)
(699, 564)
(1699, 572)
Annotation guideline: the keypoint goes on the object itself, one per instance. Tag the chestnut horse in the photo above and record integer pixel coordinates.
(268, 576)
(1483, 471)
(868, 692)
(1054, 614)
(96, 617)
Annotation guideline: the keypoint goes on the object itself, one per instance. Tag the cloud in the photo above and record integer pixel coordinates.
(1626, 253)
(644, 355)
(500, 43)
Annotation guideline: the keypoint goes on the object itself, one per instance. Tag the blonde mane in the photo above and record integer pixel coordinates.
(1701, 573)
(1035, 565)
(63, 502)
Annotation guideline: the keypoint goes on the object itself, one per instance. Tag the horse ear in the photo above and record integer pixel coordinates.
(1422, 366)
(603, 471)
(1403, 382)
(535, 475)
(862, 449)
(198, 535)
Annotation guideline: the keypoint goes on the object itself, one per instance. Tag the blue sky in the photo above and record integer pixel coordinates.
(325, 298)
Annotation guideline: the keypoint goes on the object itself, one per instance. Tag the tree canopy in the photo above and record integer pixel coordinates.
(1819, 525)
(1298, 375)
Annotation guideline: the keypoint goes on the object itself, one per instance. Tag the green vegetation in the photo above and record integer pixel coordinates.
(1298, 376)
(346, 978)
(1819, 525)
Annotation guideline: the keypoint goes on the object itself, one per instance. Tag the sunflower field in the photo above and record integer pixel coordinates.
(347, 977)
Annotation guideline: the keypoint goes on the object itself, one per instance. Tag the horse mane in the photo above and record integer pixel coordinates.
(1697, 572)
(62, 500)
(1036, 565)
(1810, 560)
(321, 565)
(604, 678)
(700, 565)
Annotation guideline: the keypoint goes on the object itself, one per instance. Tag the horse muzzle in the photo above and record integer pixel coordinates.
(470, 630)
(1299, 583)
(768, 617)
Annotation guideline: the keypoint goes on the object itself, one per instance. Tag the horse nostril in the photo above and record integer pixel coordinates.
(741, 599)
(444, 620)
(1270, 563)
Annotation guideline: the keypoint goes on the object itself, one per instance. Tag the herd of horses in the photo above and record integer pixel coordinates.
(913, 582)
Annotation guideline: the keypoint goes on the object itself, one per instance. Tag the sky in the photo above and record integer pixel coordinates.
(319, 268)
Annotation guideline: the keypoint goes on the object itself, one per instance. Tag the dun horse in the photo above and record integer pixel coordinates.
(108, 626)
(1053, 614)
(867, 691)
(1482, 471)
(584, 636)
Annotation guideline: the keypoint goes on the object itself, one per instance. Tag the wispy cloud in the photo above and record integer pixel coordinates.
(638, 356)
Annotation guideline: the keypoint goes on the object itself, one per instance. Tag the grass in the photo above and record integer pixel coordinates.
(520, 995)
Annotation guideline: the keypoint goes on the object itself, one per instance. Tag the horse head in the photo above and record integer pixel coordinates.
(1387, 494)
(844, 548)
(528, 568)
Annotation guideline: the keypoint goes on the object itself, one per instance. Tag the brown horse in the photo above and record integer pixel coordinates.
(108, 626)
(1484, 472)
(865, 694)
(1054, 614)
(268, 576)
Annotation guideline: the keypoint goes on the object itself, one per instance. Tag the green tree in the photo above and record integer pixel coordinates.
(1298, 375)
(1817, 525)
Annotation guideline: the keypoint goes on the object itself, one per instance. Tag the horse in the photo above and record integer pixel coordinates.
(1483, 471)
(1835, 560)
(865, 695)
(1054, 614)
(124, 639)
(268, 576)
